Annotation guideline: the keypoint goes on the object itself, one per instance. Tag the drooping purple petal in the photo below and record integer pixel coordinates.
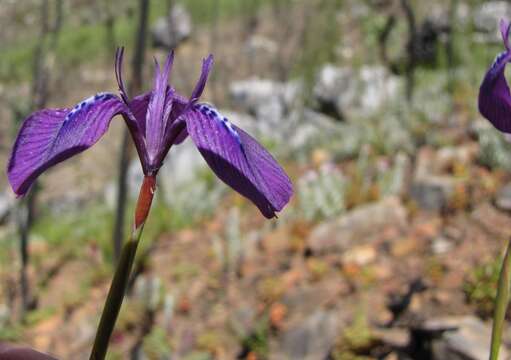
(494, 95)
(50, 136)
(239, 160)
(155, 120)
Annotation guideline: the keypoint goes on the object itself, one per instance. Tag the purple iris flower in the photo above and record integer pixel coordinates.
(494, 95)
(156, 120)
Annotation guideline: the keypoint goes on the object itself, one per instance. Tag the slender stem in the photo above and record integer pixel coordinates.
(122, 273)
(501, 302)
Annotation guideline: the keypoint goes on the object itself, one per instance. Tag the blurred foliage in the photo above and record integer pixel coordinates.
(156, 345)
(322, 193)
(495, 149)
(356, 339)
(320, 41)
(480, 286)
(79, 43)
(258, 341)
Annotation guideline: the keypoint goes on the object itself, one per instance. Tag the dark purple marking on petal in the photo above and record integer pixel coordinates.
(494, 96)
(50, 136)
(183, 134)
(239, 160)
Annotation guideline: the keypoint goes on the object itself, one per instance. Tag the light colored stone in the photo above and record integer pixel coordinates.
(351, 93)
(311, 339)
(465, 338)
(358, 226)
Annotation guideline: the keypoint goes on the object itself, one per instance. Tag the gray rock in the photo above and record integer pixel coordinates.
(168, 32)
(312, 339)
(358, 226)
(308, 128)
(351, 93)
(487, 17)
(441, 245)
(270, 104)
(7, 203)
(430, 189)
(433, 192)
(466, 338)
(503, 198)
(252, 94)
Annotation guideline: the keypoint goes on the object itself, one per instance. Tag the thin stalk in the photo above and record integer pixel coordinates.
(501, 302)
(134, 88)
(122, 273)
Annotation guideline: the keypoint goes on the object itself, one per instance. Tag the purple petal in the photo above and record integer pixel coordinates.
(118, 74)
(9, 352)
(50, 136)
(181, 137)
(239, 160)
(155, 120)
(504, 31)
(138, 106)
(494, 96)
(207, 64)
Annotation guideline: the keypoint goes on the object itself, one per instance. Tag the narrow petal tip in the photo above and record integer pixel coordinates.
(504, 31)
(207, 65)
(119, 54)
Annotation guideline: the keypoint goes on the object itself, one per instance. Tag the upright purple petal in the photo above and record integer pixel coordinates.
(207, 64)
(50, 136)
(504, 32)
(239, 160)
(118, 74)
(494, 95)
(155, 120)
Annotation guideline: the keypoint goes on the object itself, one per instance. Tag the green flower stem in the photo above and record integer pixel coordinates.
(122, 273)
(501, 302)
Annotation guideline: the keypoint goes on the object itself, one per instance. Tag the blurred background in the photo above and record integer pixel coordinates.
(390, 248)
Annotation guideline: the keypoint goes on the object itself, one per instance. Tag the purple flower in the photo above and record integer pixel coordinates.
(156, 120)
(494, 96)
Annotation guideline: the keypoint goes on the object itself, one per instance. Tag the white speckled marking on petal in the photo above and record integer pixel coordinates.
(85, 104)
(211, 112)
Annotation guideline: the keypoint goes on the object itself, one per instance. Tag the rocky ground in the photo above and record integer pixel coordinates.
(390, 248)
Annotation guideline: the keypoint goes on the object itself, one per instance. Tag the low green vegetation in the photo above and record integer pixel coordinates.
(480, 286)
(78, 44)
